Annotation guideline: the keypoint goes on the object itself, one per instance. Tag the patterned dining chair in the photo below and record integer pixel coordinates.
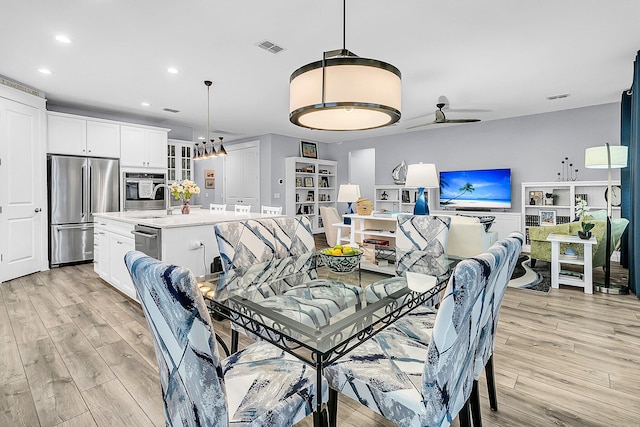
(511, 246)
(242, 209)
(416, 385)
(273, 260)
(197, 387)
(421, 241)
(271, 210)
(217, 208)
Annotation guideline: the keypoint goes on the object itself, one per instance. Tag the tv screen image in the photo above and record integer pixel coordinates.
(476, 189)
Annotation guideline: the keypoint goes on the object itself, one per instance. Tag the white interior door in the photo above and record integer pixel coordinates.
(242, 176)
(22, 199)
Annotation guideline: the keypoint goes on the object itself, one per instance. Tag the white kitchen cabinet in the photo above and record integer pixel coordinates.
(179, 160)
(119, 245)
(81, 136)
(143, 147)
(112, 240)
(101, 249)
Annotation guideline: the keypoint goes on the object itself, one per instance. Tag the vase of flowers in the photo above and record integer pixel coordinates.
(183, 191)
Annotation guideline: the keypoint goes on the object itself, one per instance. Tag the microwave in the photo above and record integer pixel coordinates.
(134, 185)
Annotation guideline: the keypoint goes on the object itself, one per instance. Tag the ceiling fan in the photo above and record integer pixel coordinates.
(441, 118)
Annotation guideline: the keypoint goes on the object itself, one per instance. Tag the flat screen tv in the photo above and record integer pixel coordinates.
(476, 189)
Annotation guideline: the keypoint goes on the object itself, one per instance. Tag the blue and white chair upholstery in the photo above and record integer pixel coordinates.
(511, 246)
(420, 247)
(261, 385)
(273, 260)
(416, 385)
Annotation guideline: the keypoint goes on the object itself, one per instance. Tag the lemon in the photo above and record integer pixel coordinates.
(347, 248)
(337, 252)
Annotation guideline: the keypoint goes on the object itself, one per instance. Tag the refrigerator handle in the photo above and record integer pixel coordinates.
(90, 188)
(82, 201)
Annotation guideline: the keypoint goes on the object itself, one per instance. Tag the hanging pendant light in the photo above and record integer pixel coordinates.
(345, 92)
(196, 152)
(221, 152)
(208, 153)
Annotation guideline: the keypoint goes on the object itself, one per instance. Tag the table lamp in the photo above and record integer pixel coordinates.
(348, 193)
(421, 175)
(607, 157)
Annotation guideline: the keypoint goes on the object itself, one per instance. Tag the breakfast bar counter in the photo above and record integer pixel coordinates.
(184, 240)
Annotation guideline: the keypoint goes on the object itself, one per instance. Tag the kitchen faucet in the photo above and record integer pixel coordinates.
(167, 197)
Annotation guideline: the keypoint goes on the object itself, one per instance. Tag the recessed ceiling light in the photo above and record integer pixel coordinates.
(172, 70)
(201, 138)
(145, 104)
(63, 39)
(44, 71)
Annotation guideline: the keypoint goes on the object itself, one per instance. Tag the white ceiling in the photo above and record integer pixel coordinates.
(504, 56)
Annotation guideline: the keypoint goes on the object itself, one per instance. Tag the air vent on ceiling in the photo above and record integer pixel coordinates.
(270, 46)
(171, 110)
(559, 96)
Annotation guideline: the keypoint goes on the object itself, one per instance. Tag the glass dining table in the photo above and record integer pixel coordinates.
(316, 320)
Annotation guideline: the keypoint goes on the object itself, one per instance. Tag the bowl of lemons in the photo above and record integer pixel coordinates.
(341, 259)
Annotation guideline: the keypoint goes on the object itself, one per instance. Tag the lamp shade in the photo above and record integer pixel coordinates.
(359, 94)
(348, 193)
(422, 175)
(596, 157)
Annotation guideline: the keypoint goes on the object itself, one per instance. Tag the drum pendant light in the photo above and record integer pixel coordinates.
(344, 91)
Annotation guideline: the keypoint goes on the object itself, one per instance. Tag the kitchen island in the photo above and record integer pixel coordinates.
(184, 240)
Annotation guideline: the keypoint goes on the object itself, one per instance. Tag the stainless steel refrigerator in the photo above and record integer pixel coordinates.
(78, 187)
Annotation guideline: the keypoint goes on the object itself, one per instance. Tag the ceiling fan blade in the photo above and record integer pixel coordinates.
(419, 126)
(421, 116)
(460, 120)
(466, 110)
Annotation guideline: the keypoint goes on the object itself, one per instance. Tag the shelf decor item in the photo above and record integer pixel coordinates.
(547, 217)
(585, 233)
(422, 175)
(364, 206)
(186, 209)
(399, 173)
(608, 157)
(308, 150)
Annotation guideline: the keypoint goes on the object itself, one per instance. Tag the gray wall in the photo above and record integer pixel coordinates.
(532, 146)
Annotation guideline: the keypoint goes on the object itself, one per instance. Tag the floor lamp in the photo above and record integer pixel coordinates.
(348, 193)
(421, 175)
(607, 157)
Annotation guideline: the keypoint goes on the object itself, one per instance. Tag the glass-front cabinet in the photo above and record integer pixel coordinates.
(179, 160)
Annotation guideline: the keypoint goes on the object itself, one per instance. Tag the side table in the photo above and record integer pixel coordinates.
(557, 259)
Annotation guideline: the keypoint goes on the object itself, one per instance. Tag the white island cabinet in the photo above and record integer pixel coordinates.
(186, 240)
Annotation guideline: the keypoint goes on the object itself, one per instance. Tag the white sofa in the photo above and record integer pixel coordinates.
(467, 237)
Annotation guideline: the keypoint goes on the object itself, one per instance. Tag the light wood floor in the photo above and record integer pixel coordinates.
(74, 352)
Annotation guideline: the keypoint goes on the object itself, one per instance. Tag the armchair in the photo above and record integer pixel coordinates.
(541, 249)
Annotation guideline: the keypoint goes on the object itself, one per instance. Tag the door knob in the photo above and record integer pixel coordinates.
(37, 210)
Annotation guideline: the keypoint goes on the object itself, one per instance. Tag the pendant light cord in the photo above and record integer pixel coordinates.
(344, 24)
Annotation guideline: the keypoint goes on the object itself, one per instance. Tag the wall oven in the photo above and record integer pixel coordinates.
(138, 188)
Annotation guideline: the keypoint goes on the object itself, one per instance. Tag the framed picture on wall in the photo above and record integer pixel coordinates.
(547, 217)
(308, 150)
(209, 173)
(210, 183)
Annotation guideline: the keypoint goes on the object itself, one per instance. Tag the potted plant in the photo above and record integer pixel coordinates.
(548, 199)
(585, 233)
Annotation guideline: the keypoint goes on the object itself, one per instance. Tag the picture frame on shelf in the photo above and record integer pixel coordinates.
(324, 182)
(547, 218)
(535, 198)
(308, 150)
(298, 181)
(309, 196)
(308, 181)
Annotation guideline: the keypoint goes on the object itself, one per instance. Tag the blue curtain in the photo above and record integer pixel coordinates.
(630, 136)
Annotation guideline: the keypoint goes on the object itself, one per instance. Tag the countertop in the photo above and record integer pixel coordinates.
(159, 218)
